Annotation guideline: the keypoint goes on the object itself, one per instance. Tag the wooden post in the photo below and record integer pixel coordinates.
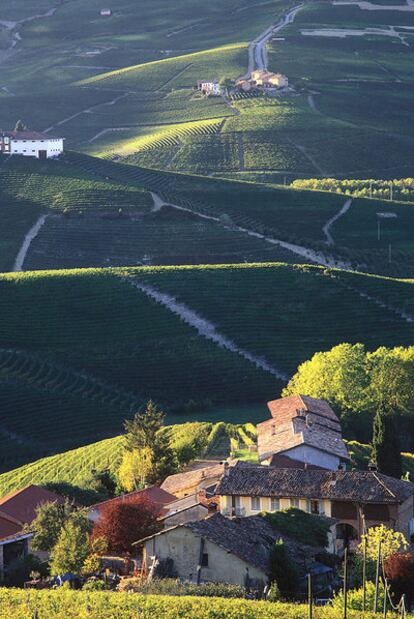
(385, 598)
(346, 583)
(403, 606)
(364, 575)
(377, 577)
(310, 596)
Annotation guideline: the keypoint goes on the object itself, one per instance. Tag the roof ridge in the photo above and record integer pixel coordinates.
(383, 484)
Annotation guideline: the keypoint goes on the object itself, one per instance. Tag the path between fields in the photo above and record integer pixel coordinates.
(28, 239)
(299, 250)
(205, 327)
(88, 110)
(327, 227)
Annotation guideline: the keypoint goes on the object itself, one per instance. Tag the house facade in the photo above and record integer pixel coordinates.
(209, 88)
(304, 430)
(218, 549)
(30, 144)
(356, 500)
(267, 79)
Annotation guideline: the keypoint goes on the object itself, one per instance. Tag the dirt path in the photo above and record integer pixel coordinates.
(257, 48)
(312, 105)
(205, 328)
(299, 250)
(327, 227)
(311, 159)
(28, 239)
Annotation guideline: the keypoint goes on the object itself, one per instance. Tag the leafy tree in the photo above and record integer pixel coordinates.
(283, 570)
(136, 467)
(399, 569)
(92, 563)
(123, 522)
(20, 126)
(385, 450)
(145, 430)
(50, 518)
(391, 542)
(71, 549)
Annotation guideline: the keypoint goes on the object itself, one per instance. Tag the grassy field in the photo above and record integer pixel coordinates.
(81, 350)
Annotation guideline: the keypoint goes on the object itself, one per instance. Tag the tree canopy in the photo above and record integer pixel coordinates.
(386, 452)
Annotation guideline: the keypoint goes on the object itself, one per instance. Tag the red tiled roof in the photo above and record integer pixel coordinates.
(156, 495)
(21, 504)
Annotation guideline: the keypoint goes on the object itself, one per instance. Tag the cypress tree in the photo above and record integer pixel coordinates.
(385, 448)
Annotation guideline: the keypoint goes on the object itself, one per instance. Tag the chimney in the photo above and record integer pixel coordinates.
(372, 466)
(226, 469)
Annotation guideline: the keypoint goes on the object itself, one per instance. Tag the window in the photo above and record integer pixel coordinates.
(256, 503)
(294, 503)
(204, 560)
(314, 507)
(274, 504)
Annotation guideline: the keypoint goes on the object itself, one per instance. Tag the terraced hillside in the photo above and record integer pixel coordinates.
(75, 469)
(81, 350)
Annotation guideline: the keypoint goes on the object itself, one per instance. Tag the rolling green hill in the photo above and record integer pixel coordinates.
(81, 350)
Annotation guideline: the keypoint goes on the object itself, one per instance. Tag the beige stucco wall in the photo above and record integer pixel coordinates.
(183, 546)
(404, 515)
(265, 505)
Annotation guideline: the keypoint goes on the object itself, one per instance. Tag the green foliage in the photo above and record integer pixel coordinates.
(19, 570)
(385, 444)
(401, 188)
(355, 598)
(72, 547)
(143, 432)
(50, 518)
(299, 525)
(284, 570)
(168, 586)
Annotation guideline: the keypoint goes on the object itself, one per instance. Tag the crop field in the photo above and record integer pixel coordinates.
(74, 467)
(86, 348)
(99, 605)
(164, 237)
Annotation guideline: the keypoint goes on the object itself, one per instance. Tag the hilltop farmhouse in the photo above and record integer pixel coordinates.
(303, 432)
(30, 144)
(209, 88)
(263, 80)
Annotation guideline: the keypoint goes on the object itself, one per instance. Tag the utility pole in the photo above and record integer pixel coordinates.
(364, 574)
(310, 596)
(346, 583)
(377, 577)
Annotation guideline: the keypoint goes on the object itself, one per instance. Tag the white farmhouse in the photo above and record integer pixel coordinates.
(209, 88)
(30, 144)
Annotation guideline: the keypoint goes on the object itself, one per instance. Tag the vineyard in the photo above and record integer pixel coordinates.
(79, 605)
(82, 349)
(401, 189)
(74, 468)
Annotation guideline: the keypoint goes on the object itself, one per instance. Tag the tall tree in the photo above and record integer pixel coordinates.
(145, 430)
(385, 449)
(136, 467)
(46, 527)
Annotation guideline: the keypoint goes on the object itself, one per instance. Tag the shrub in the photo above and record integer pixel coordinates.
(399, 568)
(171, 586)
(356, 596)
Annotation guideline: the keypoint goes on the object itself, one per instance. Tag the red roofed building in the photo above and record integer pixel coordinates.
(306, 431)
(157, 496)
(17, 510)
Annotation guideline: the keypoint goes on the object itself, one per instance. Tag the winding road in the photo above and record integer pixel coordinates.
(30, 236)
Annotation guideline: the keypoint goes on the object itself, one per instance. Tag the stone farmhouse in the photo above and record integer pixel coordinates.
(356, 500)
(219, 549)
(267, 79)
(209, 88)
(191, 482)
(302, 432)
(30, 144)
(17, 510)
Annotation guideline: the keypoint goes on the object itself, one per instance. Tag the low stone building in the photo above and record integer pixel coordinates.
(267, 79)
(218, 549)
(191, 482)
(305, 430)
(355, 499)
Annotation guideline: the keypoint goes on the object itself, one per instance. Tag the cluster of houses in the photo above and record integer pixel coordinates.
(259, 80)
(212, 527)
(30, 144)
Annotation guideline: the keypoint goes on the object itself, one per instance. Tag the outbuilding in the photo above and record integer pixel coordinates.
(30, 144)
